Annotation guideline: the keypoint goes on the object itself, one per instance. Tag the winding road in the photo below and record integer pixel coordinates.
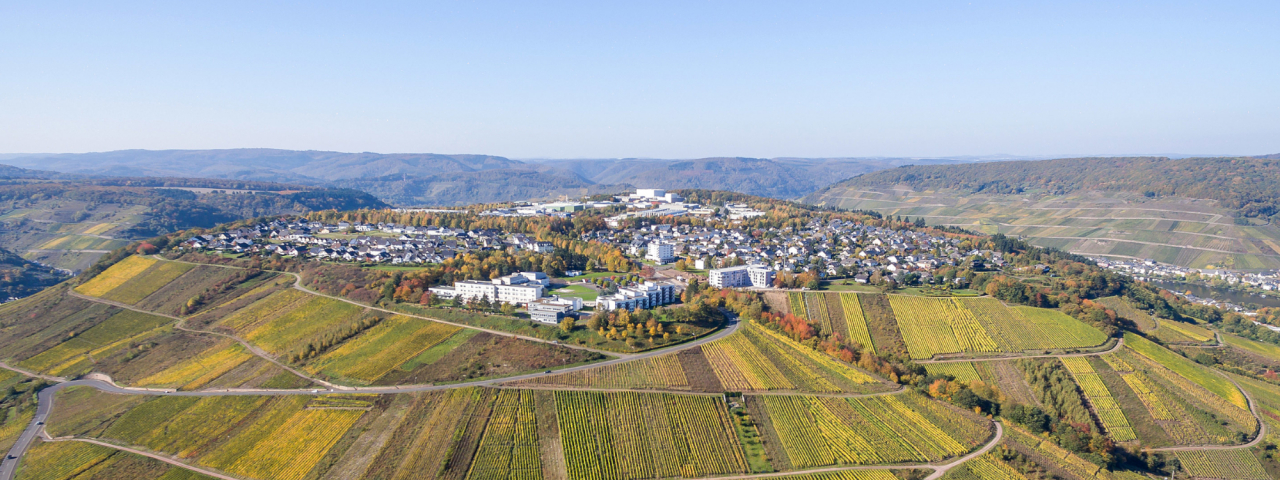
(45, 398)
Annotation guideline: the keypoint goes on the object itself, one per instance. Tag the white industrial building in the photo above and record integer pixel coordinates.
(741, 276)
(553, 310)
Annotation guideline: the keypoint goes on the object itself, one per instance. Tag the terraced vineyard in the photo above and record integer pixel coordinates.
(67, 460)
(1186, 412)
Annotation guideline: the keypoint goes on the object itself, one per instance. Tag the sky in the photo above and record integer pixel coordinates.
(656, 79)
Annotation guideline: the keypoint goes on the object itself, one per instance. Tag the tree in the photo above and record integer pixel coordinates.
(508, 309)
(567, 324)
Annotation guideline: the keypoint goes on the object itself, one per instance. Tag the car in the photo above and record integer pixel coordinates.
(548, 371)
(11, 457)
(39, 423)
(315, 391)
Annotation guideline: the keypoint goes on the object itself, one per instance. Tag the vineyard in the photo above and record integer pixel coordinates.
(756, 359)
(1187, 412)
(509, 447)
(932, 326)
(820, 431)
(652, 436)
(147, 282)
(198, 371)
(1185, 369)
(845, 475)
(1194, 333)
(377, 350)
(796, 301)
(1045, 452)
(72, 460)
(989, 466)
(1104, 406)
(72, 355)
(115, 276)
(961, 371)
(856, 321)
(1225, 464)
(661, 372)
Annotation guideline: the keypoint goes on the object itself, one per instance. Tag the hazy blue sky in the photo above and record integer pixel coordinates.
(658, 79)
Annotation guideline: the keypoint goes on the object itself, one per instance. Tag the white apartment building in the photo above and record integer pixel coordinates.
(741, 276)
(661, 252)
(644, 296)
(517, 289)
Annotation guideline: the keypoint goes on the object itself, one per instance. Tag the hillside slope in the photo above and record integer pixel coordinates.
(1251, 186)
(1194, 212)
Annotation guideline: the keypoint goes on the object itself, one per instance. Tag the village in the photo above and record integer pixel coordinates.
(723, 257)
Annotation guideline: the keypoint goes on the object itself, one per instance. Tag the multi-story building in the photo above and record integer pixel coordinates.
(553, 310)
(661, 252)
(741, 276)
(648, 295)
(520, 288)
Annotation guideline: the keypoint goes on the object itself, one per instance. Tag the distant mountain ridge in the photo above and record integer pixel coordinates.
(438, 179)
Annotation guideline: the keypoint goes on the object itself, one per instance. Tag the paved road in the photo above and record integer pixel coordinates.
(46, 396)
(938, 470)
(297, 283)
(731, 320)
(179, 326)
(1119, 343)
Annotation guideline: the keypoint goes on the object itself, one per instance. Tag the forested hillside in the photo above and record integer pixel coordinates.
(411, 179)
(1249, 186)
(69, 224)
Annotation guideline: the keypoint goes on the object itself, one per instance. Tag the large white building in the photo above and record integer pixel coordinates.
(517, 289)
(644, 296)
(741, 276)
(661, 252)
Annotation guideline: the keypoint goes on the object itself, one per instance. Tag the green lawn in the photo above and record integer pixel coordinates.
(590, 275)
(851, 287)
(579, 291)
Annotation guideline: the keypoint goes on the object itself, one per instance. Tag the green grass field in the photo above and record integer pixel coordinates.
(578, 291)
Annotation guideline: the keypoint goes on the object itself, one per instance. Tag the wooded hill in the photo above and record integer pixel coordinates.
(1249, 186)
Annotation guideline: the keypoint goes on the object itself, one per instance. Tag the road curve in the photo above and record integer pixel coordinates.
(45, 397)
(1253, 409)
(297, 284)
